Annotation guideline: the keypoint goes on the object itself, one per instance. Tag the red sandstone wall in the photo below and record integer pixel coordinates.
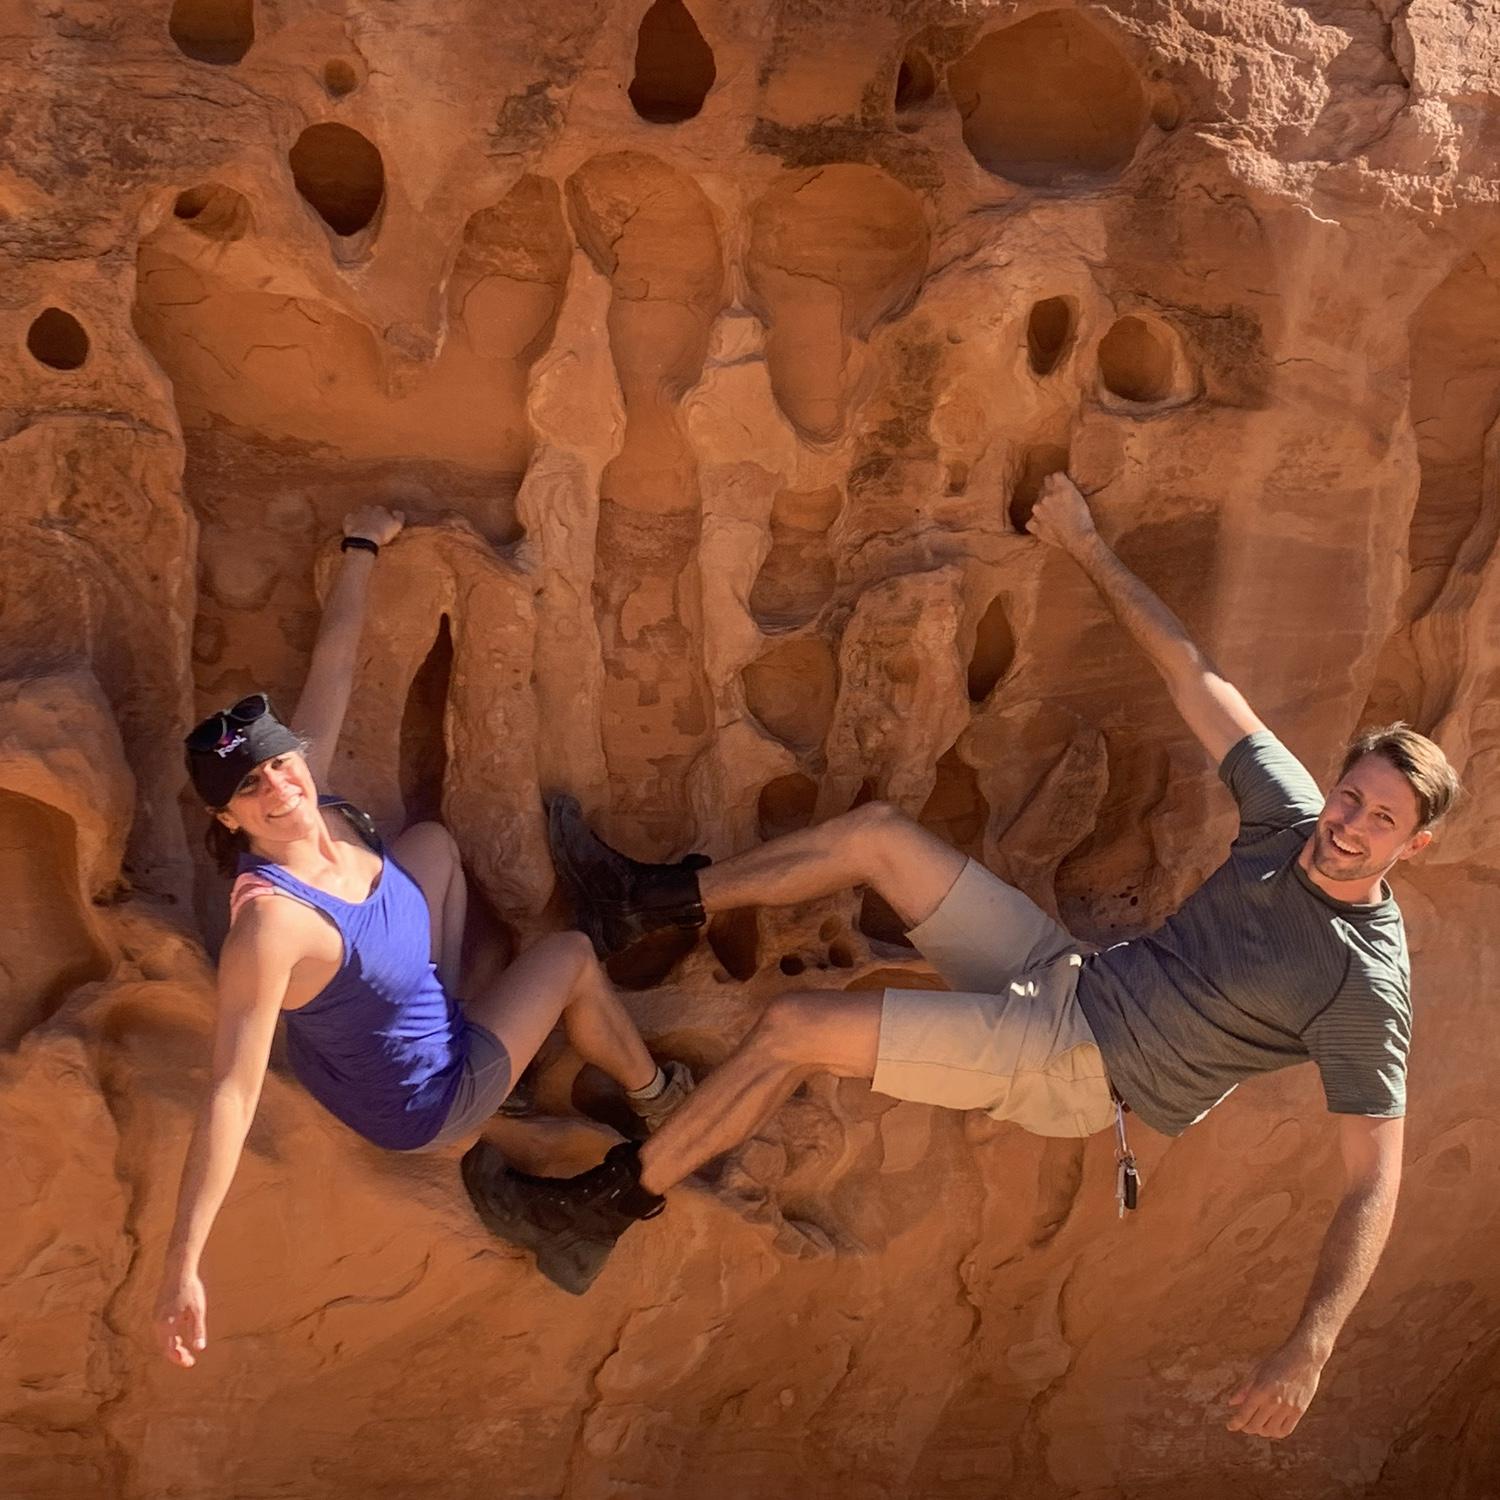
(714, 358)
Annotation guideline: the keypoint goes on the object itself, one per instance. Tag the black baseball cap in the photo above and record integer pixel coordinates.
(227, 746)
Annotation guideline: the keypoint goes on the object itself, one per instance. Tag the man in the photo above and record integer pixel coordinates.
(1292, 950)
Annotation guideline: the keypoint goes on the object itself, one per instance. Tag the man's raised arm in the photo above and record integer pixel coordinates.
(1215, 710)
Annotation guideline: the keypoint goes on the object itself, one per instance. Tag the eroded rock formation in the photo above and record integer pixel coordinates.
(716, 351)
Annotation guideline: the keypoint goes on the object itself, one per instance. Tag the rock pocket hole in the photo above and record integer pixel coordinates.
(1035, 467)
(341, 175)
(841, 955)
(214, 211)
(49, 946)
(213, 31)
(647, 963)
(956, 809)
(1166, 108)
(791, 691)
(734, 937)
(831, 255)
(791, 965)
(878, 920)
(786, 804)
(424, 745)
(1049, 101)
(340, 78)
(798, 576)
(994, 650)
(916, 81)
(674, 65)
(1136, 361)
(57, 339)
(1049, 331)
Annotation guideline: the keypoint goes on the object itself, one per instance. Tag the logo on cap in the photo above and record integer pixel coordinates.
(227, 744)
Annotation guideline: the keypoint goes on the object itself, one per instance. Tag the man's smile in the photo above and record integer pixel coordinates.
(1342, 847)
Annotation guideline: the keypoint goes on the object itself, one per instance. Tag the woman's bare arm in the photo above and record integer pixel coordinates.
(319, 715)
(254, 970)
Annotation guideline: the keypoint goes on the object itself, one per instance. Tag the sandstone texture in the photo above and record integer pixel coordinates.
(715, 353)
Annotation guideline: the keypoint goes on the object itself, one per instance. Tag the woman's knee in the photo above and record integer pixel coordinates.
(570, 950)
(428, 843)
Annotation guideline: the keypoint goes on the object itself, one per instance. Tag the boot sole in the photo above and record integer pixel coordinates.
(562, 811)
(567, 1259)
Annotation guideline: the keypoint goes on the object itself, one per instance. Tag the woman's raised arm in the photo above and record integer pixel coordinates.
(319, 715)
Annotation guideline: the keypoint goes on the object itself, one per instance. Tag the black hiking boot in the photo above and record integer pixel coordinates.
(618, 900)
(569, 1223)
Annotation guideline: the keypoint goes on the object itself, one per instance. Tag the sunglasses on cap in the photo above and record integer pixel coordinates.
(223, 732)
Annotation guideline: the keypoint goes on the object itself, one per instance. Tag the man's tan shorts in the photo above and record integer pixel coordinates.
(1010, 1038)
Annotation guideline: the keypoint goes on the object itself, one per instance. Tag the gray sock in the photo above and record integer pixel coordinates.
(649, 1091)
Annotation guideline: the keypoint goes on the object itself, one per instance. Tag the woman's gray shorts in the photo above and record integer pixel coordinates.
(485, 1082)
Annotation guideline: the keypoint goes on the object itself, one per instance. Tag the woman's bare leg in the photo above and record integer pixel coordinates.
(427, 852)
(560, 980)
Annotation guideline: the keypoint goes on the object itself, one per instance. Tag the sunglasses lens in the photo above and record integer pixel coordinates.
(249, 709)
(207, 734)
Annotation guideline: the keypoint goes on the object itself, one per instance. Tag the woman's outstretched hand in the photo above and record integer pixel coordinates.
(375, 523)
(181, 1319)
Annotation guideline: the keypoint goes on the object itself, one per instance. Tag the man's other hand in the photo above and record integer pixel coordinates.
(1061, 516)
(1271, 1402)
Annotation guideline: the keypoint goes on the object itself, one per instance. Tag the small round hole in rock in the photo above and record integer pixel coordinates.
(734, 937)
(878, 920)
(791, 965)
(786, 804)
(213, 210)
(213, 31)
(1166, 110)
(1049, 330)
(841, 955)
(916, 81)
(1135, 361)
(339, 78)
(341, 175)
(57, 339)
(674, 66)
(1049, 101)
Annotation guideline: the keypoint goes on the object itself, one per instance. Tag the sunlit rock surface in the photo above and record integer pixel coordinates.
(716, 350)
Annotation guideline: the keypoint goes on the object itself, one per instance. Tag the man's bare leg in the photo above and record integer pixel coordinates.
(874, 845)
(618, 900)
(818, 1031)
(570, 1224)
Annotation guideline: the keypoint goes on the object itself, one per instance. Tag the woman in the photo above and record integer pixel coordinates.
(358, 946)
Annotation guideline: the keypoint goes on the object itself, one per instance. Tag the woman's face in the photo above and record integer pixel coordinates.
(276, 802)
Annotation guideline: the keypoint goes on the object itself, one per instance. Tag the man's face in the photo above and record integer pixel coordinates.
(1368, 823)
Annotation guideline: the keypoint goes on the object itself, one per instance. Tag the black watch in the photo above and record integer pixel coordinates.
(360, 543)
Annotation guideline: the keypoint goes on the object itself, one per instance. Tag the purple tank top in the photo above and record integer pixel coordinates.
(381, 1045)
